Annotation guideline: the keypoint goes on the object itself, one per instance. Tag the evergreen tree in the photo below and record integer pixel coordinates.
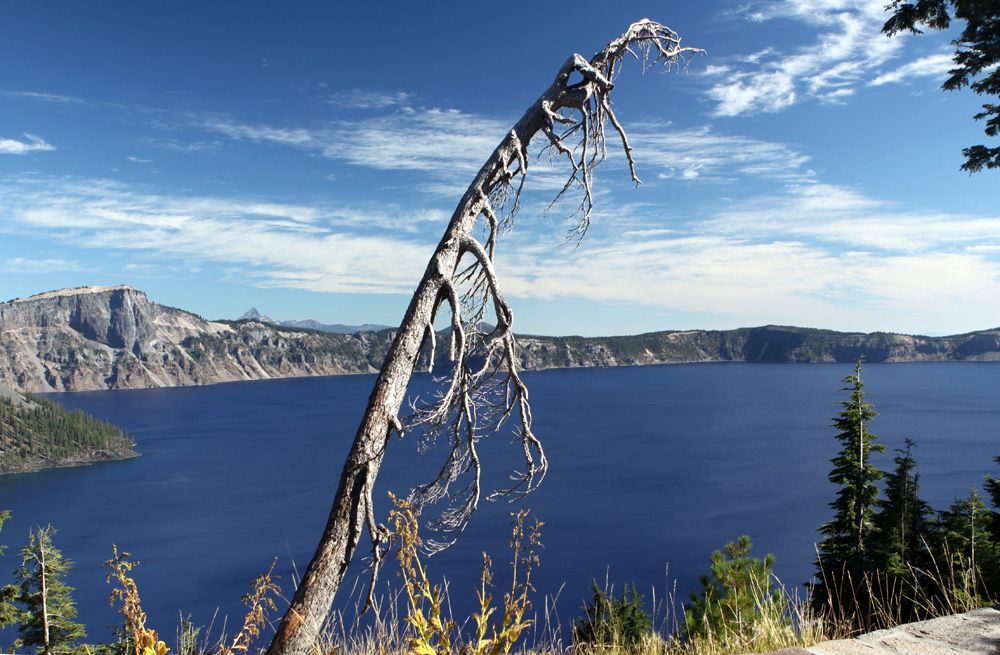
(966, 556)
(993, 488)
(737, 592)
(9, 613)
(844, 556)
(610, 622)
(977, 53)
(48, 610)
(903, 523)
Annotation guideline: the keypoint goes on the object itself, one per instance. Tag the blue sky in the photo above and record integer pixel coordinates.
(304, 157)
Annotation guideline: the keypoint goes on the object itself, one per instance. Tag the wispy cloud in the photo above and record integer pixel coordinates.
(845, 218)
(848, 48)
(813, 254)
(22, 265)
(45, 97)
(351, 249)
(712, 156)
(932, 66)
(367, 99)
(445, 142)
(30, 144)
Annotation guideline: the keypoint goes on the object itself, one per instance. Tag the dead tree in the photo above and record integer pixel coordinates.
(477, 397)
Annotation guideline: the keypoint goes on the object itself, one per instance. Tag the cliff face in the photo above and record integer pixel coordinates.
(761, 344)
(115, 338)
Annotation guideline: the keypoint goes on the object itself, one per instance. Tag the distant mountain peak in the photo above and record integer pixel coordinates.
(254, 315)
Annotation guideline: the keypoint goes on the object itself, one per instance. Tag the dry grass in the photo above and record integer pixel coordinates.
(789, 622)
(416, 618)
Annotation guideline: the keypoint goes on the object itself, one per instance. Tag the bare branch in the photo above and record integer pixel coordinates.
(483, 388)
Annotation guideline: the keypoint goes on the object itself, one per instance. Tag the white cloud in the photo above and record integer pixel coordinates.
(848, 48)
(21, 265)
(446, 145)
(848, 220)
(45, 97)
(707, 155)
(815, 254)
(31, 143)
(367, 99)
(348, 249)
(932, 66)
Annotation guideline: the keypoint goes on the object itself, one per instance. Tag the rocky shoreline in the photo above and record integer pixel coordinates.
(41, 463)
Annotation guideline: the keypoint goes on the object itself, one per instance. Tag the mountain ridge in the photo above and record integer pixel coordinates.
(92, 338)
(253, 315)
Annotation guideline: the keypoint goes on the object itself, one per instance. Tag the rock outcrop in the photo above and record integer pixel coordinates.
(769, 343)
(115, 338)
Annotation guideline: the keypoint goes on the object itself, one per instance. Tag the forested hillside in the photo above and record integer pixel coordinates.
(36, 433)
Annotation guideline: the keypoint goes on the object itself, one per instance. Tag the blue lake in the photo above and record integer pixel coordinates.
(650, 468)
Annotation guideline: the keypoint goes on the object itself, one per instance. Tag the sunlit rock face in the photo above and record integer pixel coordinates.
(115, 338)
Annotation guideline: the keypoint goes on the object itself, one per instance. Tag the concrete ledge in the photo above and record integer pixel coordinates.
(972, 633)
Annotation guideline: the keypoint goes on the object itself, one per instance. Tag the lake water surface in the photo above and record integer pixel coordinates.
(649, 467)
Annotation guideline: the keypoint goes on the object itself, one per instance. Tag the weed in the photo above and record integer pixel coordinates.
(433, 634)
(143, 640)
(258, 601)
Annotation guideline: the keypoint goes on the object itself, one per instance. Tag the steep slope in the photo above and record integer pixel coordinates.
(769, 343)
(36, 433)
(115, 338)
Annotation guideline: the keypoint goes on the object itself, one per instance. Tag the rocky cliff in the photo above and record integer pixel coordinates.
(115, 338)
(769, 343)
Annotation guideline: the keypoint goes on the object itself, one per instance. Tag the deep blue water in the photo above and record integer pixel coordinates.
(650, 467)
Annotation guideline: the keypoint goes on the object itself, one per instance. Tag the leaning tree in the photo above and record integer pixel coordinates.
(483, 388)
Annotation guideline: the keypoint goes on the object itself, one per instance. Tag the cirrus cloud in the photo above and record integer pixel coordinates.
(30, 144)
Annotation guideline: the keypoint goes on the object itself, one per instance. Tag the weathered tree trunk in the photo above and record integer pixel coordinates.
(45, 594)
(455, 412)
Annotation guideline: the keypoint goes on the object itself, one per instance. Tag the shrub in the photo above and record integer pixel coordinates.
(613, 622)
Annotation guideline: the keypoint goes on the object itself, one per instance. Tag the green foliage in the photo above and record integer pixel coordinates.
(737, 592)
(608, 621)
(187, 637)
(964, 546)
(854, 507)
(433, 633)
(844, 555)
(9, 613)
(977, 53)
(993, 488)
(45, 433)
(48, 609)
(904, 522)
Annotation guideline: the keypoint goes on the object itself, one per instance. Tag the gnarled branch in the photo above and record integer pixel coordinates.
(479, 399)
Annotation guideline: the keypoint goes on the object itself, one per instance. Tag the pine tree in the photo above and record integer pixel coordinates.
(737, 592)
(9, 613)
(844, 556)
(903, 523)
(48, 609)
(967, 557)
(993, 488)
(609, 622)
